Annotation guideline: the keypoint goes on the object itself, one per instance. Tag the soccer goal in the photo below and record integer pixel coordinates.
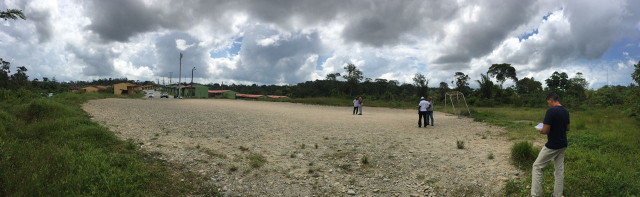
(456, 98)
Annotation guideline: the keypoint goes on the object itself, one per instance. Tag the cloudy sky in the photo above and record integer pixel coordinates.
(287, 41)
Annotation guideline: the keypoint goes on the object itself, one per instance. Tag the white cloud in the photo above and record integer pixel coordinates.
(283, 41)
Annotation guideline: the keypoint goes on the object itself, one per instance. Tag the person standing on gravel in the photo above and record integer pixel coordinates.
(360, 104)
(355, 106)
(422, 112)
(429, 112)
(555, 126)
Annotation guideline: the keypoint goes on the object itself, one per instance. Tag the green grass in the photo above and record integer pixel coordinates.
(602, 157)
(460, 144)
(256, 160)
(50, 147)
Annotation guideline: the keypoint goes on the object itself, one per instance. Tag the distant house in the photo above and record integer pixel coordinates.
(89, 89)
(125, 89)
(197, 91)
(73, 87)
(101, 87)
(147, 87)
(250, 96)
(222, 94)
(276, 97)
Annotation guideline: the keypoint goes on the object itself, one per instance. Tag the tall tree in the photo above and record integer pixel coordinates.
(486, 86)
(461, 81)
(333, 77)
(12, 14)
(4, 73)
(636, 74)
(502, 72)
(443, 89)
(421, 83)
(353, 77)
(528, 86)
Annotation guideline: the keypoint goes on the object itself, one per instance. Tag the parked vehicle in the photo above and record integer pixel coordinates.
(164, 95)
(150, 95)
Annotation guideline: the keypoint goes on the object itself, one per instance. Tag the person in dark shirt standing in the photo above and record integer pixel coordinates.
(555, 126)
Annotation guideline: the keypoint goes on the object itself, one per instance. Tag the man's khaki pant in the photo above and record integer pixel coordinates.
(545, 156)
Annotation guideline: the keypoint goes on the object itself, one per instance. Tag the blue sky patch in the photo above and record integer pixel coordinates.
(321, 60)
(527, 35)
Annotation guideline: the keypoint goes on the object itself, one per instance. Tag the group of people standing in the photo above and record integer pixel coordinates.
(425, 111)
(357, 105)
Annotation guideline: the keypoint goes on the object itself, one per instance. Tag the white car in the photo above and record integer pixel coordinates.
(150, 95)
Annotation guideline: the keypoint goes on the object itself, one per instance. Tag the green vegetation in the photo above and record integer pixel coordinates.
(50, 147)
(460, 144)
(490, 156)
(601, 159)
(242, 148)
(523, 154)
(256, 160)
(364, 160)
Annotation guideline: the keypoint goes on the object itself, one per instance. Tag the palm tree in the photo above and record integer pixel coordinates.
(12, 14)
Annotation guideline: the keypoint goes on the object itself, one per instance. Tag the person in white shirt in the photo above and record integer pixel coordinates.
(422, 112)
(355, 106)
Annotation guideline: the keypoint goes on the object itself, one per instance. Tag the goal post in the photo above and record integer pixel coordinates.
(456, 95)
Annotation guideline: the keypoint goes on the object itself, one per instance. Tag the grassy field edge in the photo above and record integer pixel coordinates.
(50, 147)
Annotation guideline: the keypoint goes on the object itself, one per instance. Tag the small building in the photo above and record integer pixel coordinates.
(73, 87)
(101, 87)
(251, 96)
(196, 91)
(89, 89)
(125, 89)
(147, 87)
(276, 97)
(222, 94)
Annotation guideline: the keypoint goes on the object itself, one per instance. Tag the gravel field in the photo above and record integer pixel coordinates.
(252, 148)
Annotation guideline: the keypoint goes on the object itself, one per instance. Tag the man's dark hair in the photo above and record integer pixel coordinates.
(553, 96)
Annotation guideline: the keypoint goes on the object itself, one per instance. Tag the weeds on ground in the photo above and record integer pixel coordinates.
(256, 160)
(365, 160)
(490, 156)
(242, 148)
(214, 153)
(523, 154)
(460, 144)
(233, 169)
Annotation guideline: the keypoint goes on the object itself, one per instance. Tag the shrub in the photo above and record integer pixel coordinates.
(460, 144)
(256, 160)
(365, 160)
(490, 156)
(523, 153)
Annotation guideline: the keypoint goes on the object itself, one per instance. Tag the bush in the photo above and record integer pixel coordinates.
(523, 154)
(460, 144)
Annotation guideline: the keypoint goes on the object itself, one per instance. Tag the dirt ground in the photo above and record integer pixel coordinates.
(252, 148)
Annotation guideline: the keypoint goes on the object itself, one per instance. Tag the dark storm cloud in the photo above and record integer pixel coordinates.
(495, 21)
(42, 22)
(119, 20)
(168, 56)
(379, 23)
(98, 61)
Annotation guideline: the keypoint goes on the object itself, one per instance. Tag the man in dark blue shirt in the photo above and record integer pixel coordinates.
(555, 126)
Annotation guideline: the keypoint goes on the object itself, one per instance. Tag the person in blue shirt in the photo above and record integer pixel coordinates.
(555, 126)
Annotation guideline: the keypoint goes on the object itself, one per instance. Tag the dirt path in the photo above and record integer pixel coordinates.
(225, 140)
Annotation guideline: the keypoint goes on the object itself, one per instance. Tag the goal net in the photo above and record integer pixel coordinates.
(455, 103)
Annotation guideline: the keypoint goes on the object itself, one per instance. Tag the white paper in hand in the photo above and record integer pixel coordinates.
(539, 126)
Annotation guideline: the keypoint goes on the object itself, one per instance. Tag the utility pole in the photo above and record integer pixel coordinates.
(170, 77)
(194, 68)
(180, 77)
